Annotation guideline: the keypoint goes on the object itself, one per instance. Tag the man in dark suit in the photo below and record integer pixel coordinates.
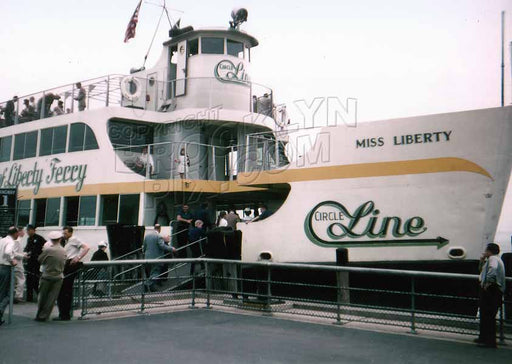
(33, 249)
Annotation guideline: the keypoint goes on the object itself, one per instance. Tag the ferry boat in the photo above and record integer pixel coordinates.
(196, 128)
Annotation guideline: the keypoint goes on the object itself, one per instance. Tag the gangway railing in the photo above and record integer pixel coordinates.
(416, 301)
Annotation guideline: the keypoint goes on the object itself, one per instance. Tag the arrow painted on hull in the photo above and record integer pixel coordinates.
(439, 242)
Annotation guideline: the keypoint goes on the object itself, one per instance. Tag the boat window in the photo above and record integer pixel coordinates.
(80, 211)
(39, 211)
(109, 205)
(23, 212)
(193, 47)
(127, 134)
(25, 145)
(211, 45)
(81, 137)
(71, 211)
(5, 148)
(53, 140)
(52, 212)
(87, 211)
(122, 209)
(129, 209)
(235, 48)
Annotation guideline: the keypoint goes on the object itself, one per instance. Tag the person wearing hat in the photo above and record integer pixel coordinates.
(34, 247)
(492, 287)
(52, 260)
(100, 289)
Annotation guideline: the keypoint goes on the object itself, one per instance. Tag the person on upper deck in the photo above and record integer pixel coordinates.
(143, 161)
(59, 109)
(10, 111)
(28, 113)
(80, 97)
(183, 162)
(48, 100)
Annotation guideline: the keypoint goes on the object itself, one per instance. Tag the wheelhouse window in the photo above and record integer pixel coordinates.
(5, 148)
(23, 213)
(53, 140)
(81, 137)
(127, 134)
(193, 47)
(210, 45)
(25, 145)
(80, 211)
(235, 48)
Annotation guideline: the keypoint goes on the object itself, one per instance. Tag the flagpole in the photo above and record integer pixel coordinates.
(502, 58)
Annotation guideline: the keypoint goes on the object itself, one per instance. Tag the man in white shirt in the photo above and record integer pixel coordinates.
(19, 271)
(76, 250)
(492, 287)
(7, 260)
(145, 163)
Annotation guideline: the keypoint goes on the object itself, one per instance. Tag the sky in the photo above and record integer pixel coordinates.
(397, 58)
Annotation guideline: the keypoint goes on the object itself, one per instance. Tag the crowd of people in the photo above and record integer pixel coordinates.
(191, 228)
(32, 110)
(51, 269)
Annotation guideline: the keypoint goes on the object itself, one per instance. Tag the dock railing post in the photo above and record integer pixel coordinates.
(339, 297)
(193, 303)
(269, 290)
(11, 295)
(502, 323)
(143, 290)
(207, 284)
(413, 306)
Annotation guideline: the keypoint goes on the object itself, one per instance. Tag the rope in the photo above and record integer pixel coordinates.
(154, 35)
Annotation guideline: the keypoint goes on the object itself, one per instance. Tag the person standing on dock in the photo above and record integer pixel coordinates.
(492, 286)
(76, 250)
(19, 271)
(53, 260)
(33, 249)
(7, 260)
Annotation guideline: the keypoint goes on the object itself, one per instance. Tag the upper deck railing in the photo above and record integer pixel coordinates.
(141, 93)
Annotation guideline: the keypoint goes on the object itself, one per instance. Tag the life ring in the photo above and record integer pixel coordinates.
(131, 88)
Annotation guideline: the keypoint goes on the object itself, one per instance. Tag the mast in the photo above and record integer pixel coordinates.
(502, 58)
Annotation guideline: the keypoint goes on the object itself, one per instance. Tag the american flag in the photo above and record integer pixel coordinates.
(130, 30)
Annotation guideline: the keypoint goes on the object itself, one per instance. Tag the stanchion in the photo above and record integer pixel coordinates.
(143, 290)
(11, 296)
(207, 284)
(502, 324)
(413, 307)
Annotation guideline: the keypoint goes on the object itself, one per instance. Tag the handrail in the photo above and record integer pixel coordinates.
(333, 268)
(127, 254)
